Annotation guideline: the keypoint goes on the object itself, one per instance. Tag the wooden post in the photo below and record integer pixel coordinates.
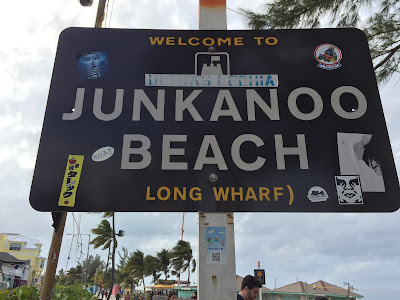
(52, 260)
(54, 252)
(100, 13)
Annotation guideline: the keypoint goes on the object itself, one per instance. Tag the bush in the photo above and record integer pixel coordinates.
(71, 292)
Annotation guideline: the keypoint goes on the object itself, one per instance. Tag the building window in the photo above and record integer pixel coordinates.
(42, 264)
(15, 246)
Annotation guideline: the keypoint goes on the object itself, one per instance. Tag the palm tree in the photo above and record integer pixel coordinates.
(193, 265)
(106, 215)
(182, 257)
(152, 265)
(98, 277)
(136, 266)
(61, 277)
(165, 257)
(75, 275)
(104, 238)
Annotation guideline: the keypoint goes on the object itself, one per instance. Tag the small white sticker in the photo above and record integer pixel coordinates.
(103, 153)
(317, 194)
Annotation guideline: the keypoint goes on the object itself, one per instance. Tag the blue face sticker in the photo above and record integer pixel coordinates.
(92, 65)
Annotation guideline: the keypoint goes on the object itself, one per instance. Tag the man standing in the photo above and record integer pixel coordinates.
(250, 288)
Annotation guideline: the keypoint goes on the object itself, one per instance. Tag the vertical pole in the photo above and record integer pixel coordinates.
(55, 246)
(179, 271)
(306, 292)
(52, 259)
(100, 13)
(260, 294)
(216, 281)
(212, 14)
(216, 275)
(183, 223)
(87, 262)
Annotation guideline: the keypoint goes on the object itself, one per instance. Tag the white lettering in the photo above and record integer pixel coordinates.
(292, 104)
(127, 151)
(235, 152)
(362, 103)
(98, 100)
(217, 159)
(281, 151)
(156, 112)
(167, 152)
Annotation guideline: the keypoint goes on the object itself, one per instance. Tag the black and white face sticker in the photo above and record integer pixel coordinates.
(348, 189)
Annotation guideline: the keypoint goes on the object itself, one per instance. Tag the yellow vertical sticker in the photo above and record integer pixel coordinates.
(71, 180)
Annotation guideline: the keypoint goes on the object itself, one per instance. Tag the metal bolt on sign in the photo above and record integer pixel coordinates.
(213, 177)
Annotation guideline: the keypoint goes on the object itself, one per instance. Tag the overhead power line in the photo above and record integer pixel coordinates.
(236, 11)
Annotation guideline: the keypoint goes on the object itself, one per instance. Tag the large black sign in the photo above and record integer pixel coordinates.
(273, 121)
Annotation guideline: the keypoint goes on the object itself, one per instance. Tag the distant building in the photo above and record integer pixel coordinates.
(13, 271)
(302, 291)
(26, 249)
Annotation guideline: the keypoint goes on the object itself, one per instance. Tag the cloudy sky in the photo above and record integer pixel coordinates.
(362, 249)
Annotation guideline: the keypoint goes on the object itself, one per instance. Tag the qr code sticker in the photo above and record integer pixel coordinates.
(216, 256)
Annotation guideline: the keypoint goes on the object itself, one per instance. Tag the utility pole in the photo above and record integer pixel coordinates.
(59, 218)
(349, 288)
(54, 252)
(179, 271)
(87, 261)
(100, 13)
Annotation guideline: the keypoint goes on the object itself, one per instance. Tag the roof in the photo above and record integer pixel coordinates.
(300, 287)
(7, 257)
(239, 280)
(333, 289)
(29, 242)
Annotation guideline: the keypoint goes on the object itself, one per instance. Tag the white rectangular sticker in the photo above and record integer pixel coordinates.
(189, 80)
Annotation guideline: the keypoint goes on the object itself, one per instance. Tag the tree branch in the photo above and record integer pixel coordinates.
(391, 53)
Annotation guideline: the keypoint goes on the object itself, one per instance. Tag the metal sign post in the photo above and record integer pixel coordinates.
(217, 263)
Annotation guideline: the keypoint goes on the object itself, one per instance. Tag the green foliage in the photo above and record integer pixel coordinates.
(152, 266)
(165, 258)
(71, 292)
(382, 27)
(61, 277)
(123, 258)
(135, 266)
(21, 293)
(104, 236)
(79, 274)
(182, 257)
(75, 275)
